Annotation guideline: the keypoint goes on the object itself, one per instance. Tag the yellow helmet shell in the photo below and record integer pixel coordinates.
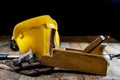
(34, 34)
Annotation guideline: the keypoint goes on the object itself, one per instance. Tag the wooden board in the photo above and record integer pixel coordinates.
(113, 72)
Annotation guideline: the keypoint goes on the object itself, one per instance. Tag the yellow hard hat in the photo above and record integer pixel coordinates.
(34, 34)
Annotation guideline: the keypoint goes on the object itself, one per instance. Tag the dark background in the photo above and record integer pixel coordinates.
(74, 17)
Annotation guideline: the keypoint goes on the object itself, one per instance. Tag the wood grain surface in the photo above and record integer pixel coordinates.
(113, 71)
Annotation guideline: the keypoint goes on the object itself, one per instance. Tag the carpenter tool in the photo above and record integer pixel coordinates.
(89, 60)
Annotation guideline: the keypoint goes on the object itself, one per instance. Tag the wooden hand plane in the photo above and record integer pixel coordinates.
(89, 60)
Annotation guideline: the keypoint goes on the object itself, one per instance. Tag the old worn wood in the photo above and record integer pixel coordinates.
(97, 50)
(73, 59)
(78, 61)
(85, 39)
(77, 42)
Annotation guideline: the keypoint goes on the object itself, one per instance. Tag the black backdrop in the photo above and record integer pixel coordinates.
(74, 17)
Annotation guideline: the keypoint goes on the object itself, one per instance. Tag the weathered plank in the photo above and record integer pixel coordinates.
(8, 75)
(83, 45)
(89, 77)
(115, 67)
(23, 77)
(115, 45)
(46, 77)
(111, 49)
(85, 39)
(75, 45)
(81, 42)
(64, 45)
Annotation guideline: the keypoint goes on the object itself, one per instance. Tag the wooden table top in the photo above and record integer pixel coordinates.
(113, 72)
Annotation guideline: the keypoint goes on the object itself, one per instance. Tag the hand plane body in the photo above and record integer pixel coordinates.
(91, 61)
